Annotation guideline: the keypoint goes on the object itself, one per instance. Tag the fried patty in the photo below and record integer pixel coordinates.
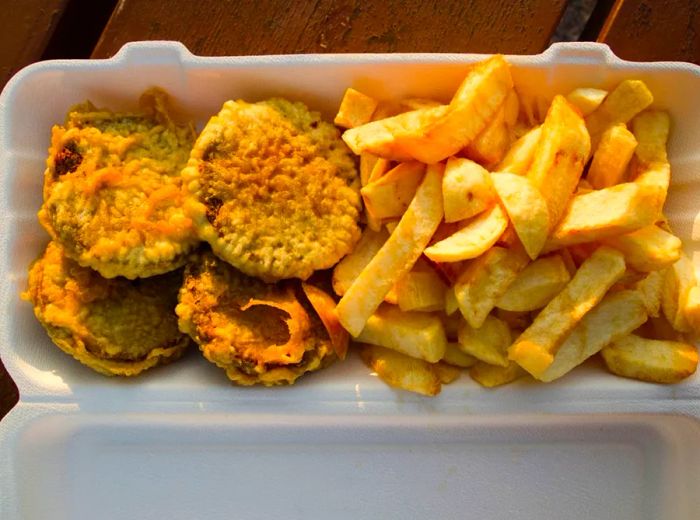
(274, 190)
(115, 326)
(257, 332)
(112, 189)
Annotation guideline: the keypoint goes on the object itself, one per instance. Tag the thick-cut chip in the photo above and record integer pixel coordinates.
(324, 306)
(680, 279)
(466, 189)
(354, 263)
(536, 285)
(446, 373)
(616, 316)
(647, 249)
(456, 357)
(451, 304)
(484, 281)
(519, 158)
(561, 153)
(534, 350)
(627, 100)
(421, 290)
(490, 146)
(397, 255)
(475, 238)
(511, 107)
(493, 375)
(586, 99)
(650, 288)
(367, 162)
(655, 361)
(389, 196)
(527, 209)
(604, 213)
(401, 371)
(385, 137)
(475, 103)
(355, 109)
(489, 343)
(692, 309)
(612, 156)
(417, 334)
(651, 129)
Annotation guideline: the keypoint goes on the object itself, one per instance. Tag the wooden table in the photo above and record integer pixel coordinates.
(635, 30)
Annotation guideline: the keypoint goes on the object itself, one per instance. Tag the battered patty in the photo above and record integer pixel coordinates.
(115, 326)
(257, 332)
(274, 190)
(113, 192)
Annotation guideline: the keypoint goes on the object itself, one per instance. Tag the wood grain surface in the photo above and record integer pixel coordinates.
(654, 30)
(226, 27)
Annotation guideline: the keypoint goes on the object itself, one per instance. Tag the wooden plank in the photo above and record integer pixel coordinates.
(25, 32)
(648, 30)
(225, 27)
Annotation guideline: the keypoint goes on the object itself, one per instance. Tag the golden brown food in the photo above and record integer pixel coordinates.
(273, 189)
(115, 326)
(112, 189)
(257, 332)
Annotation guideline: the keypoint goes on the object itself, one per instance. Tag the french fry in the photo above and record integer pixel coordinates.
(484, 280)
(560, 156)
(519, 157)
(536, 285)
(655, 361)
(472, 240)
(692, 309)
(367, 162)
(421, 291)
(611, 158)
(647, 249)
(401, 371)
(451, 304)
(651, 129)
(526, 208)
(355, 109)
(628, 99)
(650, 289)
(446, 373)
(656, 178)
(586, 99)
(417, 103)
(490, 146)
(604, 213)
(451, 323)
(389, 196)
(679, 280)
(417, 334)
(385, 137)
(491, 376)
(534, 350)
(511, 110)
(488, 343)
(456, 357)
(467, 189)
(397, 255)
(516, 320)
(354, 263)
(475, 103)
(324, 306)
(616, 316)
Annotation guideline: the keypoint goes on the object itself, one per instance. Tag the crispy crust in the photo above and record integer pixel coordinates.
(114, 326)
(112, 189)
(257, 332)
(273, 190)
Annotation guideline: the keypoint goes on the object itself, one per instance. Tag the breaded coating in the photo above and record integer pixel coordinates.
(112, 189)
(115, 326)
(257, 332)
(274, 190)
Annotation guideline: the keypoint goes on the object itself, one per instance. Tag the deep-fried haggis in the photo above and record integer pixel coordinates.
(115, 326)
(274, 190)
(257, 332)
(112, 189)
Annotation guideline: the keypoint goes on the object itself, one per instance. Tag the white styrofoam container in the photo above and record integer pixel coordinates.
(180, 442)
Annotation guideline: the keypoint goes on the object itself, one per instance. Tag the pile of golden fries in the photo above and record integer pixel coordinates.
(510, 245)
